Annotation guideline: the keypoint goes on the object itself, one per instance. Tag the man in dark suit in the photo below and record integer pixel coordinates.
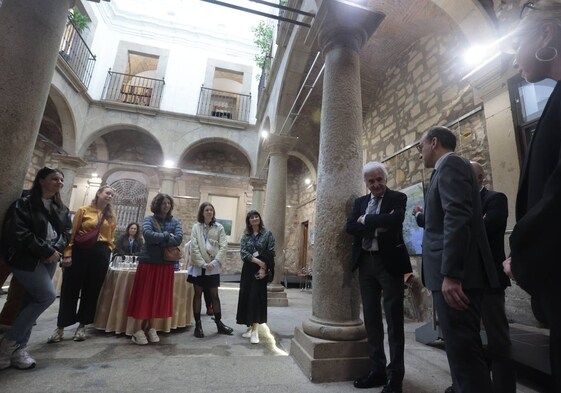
(457, 262)
(381, 257)
(495, 212)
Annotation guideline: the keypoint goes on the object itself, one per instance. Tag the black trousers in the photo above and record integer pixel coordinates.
(83, 280)
(546, 301)
(494, 319)
(375, 283)
(463, 343)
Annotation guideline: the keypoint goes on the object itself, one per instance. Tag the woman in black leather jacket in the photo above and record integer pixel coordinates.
(36, 231)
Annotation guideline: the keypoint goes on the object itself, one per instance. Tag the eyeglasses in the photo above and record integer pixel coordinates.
(420, 146)
(526, 8)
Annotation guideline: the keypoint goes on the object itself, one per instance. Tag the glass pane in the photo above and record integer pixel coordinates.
(533, 97)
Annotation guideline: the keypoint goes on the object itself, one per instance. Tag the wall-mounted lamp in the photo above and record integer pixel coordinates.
(264, 134)
(307, 181)
(94, 175)
(168, 163)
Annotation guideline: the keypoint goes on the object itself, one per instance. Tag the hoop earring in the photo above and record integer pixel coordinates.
(545, 60)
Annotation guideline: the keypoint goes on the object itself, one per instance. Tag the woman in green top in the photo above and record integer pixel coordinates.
(258, 255)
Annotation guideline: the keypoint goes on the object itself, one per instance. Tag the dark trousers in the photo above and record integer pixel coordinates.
(498, 337)
(463, 343)
(16, 292)
(546, 301)
(376, 282)
(82, 280)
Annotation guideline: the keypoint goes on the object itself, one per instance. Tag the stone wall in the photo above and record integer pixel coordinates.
(422, 90)
(301, 201)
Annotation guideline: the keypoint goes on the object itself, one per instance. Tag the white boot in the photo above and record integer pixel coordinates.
(254, 339)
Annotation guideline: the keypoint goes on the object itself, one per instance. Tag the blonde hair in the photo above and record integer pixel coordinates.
(108, 212)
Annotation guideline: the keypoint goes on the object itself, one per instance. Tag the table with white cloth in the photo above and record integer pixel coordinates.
(111, 314)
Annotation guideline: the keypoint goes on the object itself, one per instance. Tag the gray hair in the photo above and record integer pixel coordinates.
(543, 11)
(374, 166)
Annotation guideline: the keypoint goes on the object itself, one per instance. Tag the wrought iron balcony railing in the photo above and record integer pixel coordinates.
(224, 105)
(76, 53)
(133, 89)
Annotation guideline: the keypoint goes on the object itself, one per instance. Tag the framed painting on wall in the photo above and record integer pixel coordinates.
(412, 233)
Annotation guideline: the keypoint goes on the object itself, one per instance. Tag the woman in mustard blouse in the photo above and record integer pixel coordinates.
(85, 269)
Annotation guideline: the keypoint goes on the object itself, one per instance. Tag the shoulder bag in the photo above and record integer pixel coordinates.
(88, 239)
(170, 253)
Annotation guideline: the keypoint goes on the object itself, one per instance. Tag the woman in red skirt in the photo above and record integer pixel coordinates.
(152, 292)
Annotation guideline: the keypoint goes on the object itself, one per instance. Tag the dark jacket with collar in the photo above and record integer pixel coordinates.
(25, 231)
(454, 241)
(390, 241)
(535, 236)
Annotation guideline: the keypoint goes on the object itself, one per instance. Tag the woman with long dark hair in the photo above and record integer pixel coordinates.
(130, 243)
(36, 231)
(257, 251)
(85, 268)
(152, 291)
(208, 251)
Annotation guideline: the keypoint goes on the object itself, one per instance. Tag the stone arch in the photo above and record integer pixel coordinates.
(214, 141)
(115, 127)
(307, 162)
(471, 18)
(261, 160)
(67, 120)
(129, 203)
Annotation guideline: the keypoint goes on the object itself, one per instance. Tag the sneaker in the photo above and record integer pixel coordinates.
(57, 336)
(21, 359)
(80, 334)
(254, 337)
(153, 336)
(7, 349)
(139, 338)
(248, 333)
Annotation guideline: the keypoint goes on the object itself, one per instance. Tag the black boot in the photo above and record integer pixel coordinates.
(199, 329)
(222, 329)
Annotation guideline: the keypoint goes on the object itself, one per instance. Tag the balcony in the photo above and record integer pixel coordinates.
(76, 54)
(135, 91)
(224, 107)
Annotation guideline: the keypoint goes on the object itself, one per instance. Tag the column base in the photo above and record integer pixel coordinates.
(276, 298)
(329, 361)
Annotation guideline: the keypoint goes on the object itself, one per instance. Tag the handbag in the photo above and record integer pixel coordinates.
(170, 253)
(88, 239)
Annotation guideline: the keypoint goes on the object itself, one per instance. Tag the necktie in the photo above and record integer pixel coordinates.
(372, 208)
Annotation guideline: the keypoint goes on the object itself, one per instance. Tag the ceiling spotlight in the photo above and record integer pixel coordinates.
(307, 181)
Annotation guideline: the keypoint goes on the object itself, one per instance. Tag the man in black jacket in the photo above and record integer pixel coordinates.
(381, 257)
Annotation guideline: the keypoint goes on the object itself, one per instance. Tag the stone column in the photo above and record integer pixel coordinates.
(330, 346)
(93, 185)
(30, 35)
(69, 166)
(257, 200)
(169, 175)
(275, 209)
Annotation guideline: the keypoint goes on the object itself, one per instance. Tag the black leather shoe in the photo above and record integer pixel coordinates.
(223, 329)
(392, 388)
(370, 381)
(449, 389)
(199, 329)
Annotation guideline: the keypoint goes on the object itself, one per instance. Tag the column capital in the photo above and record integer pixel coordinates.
(339, 23)
(169, 173)
(71, 162)
(257, 184)
(280, 144)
